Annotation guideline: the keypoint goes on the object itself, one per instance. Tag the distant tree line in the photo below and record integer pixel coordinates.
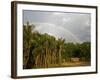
(43, 50)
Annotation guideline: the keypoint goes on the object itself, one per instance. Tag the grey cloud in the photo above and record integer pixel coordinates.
(78, 24)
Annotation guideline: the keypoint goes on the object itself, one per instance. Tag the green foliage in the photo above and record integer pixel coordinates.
(43, 50)
(85, 51)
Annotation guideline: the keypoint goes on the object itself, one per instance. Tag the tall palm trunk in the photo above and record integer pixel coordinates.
(45, 58)
(60, 57)
(37, 61)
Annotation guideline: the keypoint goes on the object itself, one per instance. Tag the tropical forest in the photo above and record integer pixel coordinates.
(46, 51)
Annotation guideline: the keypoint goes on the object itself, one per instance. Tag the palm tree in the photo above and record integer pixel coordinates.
(60, 50)
(27, 41)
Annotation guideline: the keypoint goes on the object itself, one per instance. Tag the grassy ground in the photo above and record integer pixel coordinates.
(68, 64)
(72, 64)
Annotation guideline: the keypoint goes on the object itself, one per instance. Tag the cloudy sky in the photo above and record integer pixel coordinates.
(73, 27)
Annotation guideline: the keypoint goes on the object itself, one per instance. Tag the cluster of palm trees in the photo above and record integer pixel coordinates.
(44, 51)
(40, 50)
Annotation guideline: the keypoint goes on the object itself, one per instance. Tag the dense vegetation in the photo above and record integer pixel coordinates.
(43, 50)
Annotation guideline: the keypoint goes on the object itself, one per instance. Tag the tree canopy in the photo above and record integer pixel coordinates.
(44, 50)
